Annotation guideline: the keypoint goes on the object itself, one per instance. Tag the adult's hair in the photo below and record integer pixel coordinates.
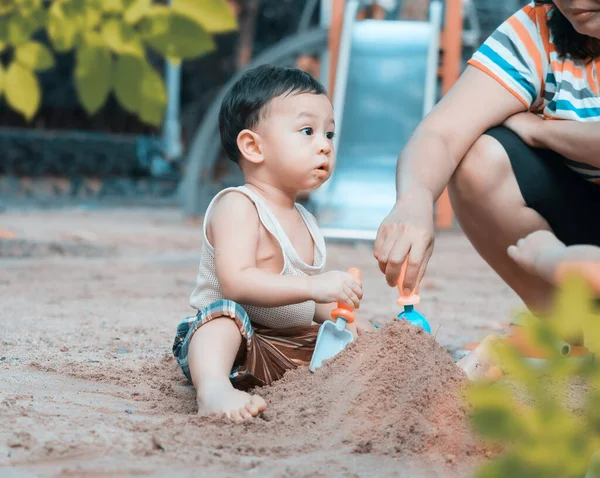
(567, 40)
(247, 100)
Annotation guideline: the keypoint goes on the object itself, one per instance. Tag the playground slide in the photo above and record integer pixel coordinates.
(386, 82)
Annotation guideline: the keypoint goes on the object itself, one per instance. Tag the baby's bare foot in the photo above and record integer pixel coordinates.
(479, 364)
(222, 398)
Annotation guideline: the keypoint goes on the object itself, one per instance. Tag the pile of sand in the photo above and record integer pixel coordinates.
(394, 391)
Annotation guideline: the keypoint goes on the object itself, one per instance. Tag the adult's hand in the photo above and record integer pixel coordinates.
(407, 233)
(426, 164)
(527, 126)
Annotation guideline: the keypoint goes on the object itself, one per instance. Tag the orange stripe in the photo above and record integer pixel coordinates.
(548, 117)
(567, 65)
(542, 23)
(485, 69)
(530, 45)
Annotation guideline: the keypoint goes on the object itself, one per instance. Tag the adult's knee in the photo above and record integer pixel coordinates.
(481, 172)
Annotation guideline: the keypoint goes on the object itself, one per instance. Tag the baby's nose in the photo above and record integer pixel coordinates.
(325, 146)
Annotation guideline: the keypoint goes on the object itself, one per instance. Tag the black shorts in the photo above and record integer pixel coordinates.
(569, 203)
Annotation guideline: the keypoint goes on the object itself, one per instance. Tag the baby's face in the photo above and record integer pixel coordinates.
(297, 140)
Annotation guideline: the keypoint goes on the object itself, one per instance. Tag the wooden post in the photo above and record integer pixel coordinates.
(451, 60)
(246, 33)
(335, 37)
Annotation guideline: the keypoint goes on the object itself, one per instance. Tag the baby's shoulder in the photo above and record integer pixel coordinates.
(234, 206)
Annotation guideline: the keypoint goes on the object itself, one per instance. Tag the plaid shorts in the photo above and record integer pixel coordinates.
(264, 355)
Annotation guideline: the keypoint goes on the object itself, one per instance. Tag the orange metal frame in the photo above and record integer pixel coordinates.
(451, 46)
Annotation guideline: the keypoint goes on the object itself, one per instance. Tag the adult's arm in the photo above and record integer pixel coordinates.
(573, 139)
(475, 103)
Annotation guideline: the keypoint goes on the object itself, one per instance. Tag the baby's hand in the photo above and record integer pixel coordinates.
(335, 286)
(539, 253)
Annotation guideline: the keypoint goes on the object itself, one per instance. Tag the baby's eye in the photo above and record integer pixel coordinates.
(330, 135)
(307, 131)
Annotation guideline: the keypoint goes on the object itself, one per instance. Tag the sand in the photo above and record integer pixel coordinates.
(394, 392)
(88, 387)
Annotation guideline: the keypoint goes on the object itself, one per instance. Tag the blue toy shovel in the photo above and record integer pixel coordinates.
(409, 301)
(334, 336)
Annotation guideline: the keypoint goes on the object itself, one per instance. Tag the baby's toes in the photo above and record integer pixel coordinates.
(234, 416)
(245, 414)
(256, 403)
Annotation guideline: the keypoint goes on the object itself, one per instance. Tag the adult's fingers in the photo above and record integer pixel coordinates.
(395, 261)
(414, 263)
(424, 264)
(384, 252)
(382, 235)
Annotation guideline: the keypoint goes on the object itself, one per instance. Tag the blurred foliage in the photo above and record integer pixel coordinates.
(110, 39)
(540, 434)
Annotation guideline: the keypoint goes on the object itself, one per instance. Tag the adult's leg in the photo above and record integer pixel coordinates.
(492, 212)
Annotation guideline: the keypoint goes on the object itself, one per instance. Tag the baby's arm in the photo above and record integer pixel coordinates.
(235, 227)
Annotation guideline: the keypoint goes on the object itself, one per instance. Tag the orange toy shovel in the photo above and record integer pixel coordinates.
(334, 336)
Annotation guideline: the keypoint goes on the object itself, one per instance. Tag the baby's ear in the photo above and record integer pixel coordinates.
(249, 145)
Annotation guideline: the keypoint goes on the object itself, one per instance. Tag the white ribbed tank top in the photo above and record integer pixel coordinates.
(208, 290)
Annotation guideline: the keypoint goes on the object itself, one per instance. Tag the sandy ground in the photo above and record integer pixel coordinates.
(90, 300)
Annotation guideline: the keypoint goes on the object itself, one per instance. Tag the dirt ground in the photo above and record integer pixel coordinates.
(90, 299)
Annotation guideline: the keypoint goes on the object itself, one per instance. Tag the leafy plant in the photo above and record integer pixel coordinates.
(110, 39)
(541, 435)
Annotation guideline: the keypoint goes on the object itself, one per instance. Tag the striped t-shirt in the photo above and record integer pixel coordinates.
(522, 57)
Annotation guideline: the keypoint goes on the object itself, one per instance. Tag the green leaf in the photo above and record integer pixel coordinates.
(136, 11)
(129, 73)
(62, 28)
(157, 22)
(29, 7)
(508, 466)
(113, 6)
(22, 90)
(216, 16)
(154, 97)
(6, 7)
(2, 78)
(21, 28)
(493, 413)
(94, 39)
(175, 36)
(3, 34)
(93, 18)
(122, 38)
(35, 56)
(93, 75)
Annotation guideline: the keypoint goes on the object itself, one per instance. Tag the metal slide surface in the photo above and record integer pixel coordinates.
(383, 104)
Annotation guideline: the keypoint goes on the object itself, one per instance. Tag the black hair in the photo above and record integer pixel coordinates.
(245, 103)
(567, 40)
